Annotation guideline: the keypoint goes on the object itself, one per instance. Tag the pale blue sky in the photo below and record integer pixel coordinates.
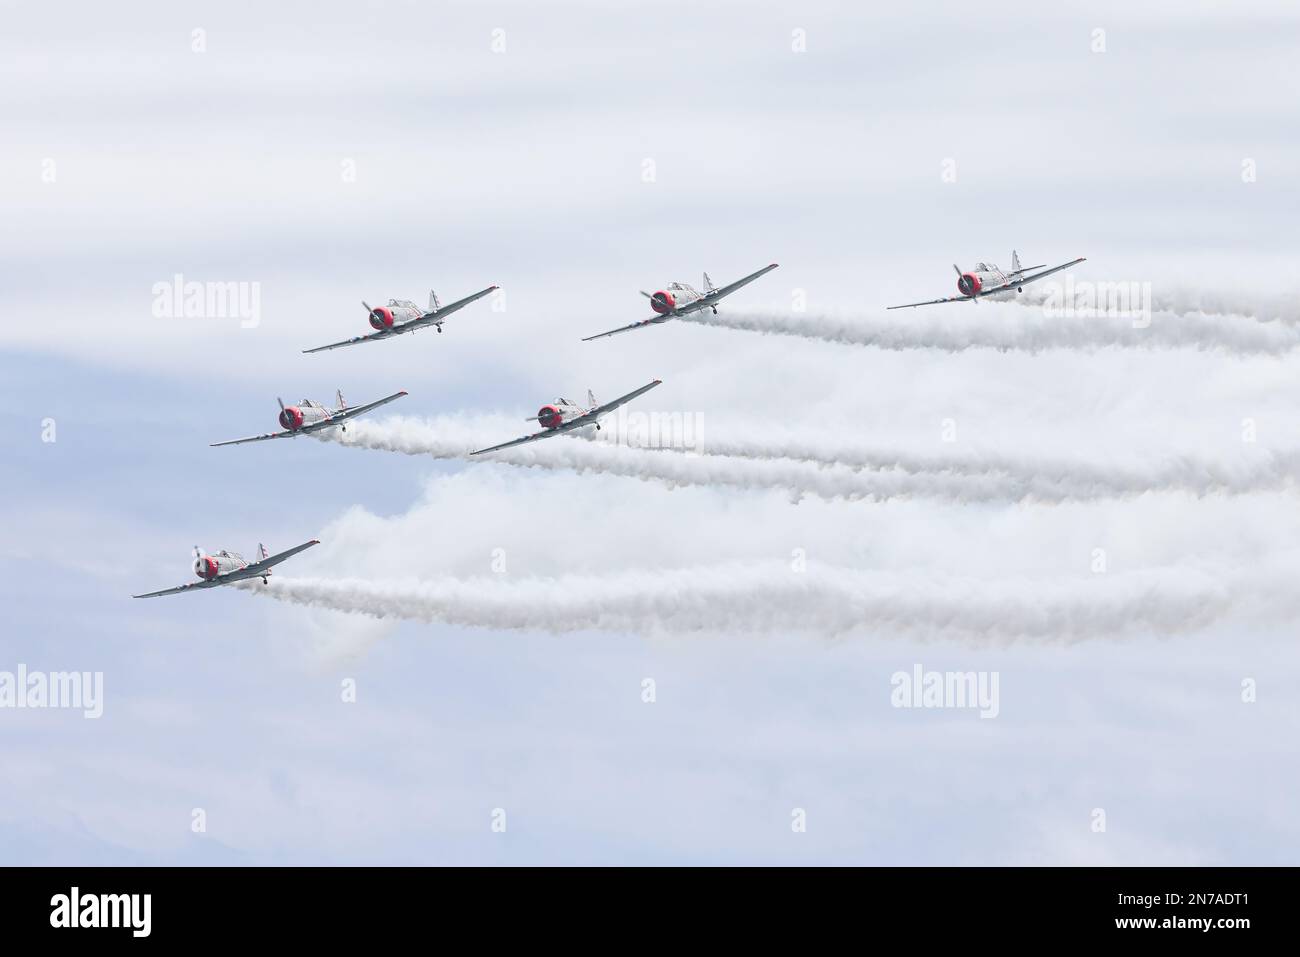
(524, 168)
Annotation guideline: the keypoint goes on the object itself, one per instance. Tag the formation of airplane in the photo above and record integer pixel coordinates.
(988, 280)
(556, 418)
(681, 299)
(307, 417)
(223, 568)
(561, 416)
(402, 315)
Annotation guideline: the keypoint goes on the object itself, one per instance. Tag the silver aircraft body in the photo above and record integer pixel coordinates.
(308, 417)
(223, 568)
(561, 416)
(987, 280)
(681, 299)
(402, 315)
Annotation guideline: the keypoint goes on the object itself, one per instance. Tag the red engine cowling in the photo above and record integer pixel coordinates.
(662, 302)
(291, 418)
(549, 417)
(969, 284)
(205, 567)
(381, 318)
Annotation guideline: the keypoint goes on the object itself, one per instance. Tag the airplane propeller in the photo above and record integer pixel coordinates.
(281, 401)
(646, 294)
(956, 269)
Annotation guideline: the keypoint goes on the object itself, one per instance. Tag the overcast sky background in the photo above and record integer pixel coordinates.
(525, 168)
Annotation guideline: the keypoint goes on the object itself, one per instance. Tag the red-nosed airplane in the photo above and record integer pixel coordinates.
(563, 416)
(402, 315)
(307, 417)
(223, 568)
(682, 299)
(988, 280)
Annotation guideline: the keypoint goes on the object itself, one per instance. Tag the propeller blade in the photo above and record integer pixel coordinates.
(956, 269)
(646, 294)
(367, 305)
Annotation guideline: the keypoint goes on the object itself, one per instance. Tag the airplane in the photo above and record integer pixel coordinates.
(225, 567)
(308, 417)
(402, 315)
(682, 299)
(564, 416)
(988, 280)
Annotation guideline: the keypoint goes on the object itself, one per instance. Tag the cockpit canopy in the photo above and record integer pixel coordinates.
(403, 302)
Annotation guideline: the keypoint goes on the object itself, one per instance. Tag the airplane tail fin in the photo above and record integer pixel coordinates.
(434, 304)
(1015, 261)
(591, 399)
(708, 285)
(339, 395)
(262, 553)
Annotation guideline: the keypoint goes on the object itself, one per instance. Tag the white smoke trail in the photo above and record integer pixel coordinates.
(832, 473)
(827, 602)
(448, 439)
(1186, 302)
(962, 326)
(1037, 478)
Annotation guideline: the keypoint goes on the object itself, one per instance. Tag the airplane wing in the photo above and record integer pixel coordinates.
(428, 319)
(255, 569)
(442, 313)
(352, 411)
(1028, 279)
(211, 583)
(254, 438)
(727, 290)
(934, 302)
(653, 320)
(381, 334)
(610, 406)
(587, 418)
(702, 303)
(546, 434)
(1002, 288)
(248, 571)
